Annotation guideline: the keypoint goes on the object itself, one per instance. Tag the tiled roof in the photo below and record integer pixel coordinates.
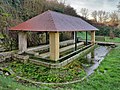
(54, 22)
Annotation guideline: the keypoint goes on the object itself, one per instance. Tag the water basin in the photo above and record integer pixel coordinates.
(94, 58)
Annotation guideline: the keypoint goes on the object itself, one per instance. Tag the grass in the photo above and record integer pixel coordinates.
(82, 35)
(1, 36)
(7, 83)
(44, 74)
(116, 39)
(106, 77)
(107, 39)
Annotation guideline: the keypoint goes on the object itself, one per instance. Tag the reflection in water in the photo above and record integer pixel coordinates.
(95, 57)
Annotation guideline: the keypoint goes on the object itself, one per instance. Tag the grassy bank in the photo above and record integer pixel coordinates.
(106, 77)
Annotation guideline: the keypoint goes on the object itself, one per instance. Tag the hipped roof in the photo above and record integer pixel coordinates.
(51, 21)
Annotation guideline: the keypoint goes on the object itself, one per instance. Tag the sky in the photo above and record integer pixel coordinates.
(106, 5)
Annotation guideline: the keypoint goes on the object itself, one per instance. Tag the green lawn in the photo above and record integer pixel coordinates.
(82, 35)
(107, 39)
(7, 83)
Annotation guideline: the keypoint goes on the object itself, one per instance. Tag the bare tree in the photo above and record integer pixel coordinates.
(94, 15)
(84, 12)
(118, 6)
(103, 16)
(99, 14)
(114, 16)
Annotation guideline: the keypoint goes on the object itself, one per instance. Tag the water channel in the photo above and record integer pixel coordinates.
(94, 58)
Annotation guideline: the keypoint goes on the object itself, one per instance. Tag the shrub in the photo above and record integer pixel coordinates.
(106, 30)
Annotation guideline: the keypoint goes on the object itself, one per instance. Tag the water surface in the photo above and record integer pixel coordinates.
(94, 58)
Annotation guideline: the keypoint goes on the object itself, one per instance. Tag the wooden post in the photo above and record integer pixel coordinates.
(93, 37)
(74, 36)
(47, 36)
(86, 39)
(54, 45)
(75, 41)
(22, 42)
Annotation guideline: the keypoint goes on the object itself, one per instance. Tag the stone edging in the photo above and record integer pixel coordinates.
(42, 83)
(63, 63)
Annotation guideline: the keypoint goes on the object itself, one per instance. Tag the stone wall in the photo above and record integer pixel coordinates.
(6, 55)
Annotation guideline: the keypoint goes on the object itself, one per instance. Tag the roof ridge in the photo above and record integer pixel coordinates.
(52, 18)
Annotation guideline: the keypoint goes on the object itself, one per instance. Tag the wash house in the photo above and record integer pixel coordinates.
(52, 22)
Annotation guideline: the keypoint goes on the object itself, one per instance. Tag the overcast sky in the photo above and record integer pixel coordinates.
(107, 5)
